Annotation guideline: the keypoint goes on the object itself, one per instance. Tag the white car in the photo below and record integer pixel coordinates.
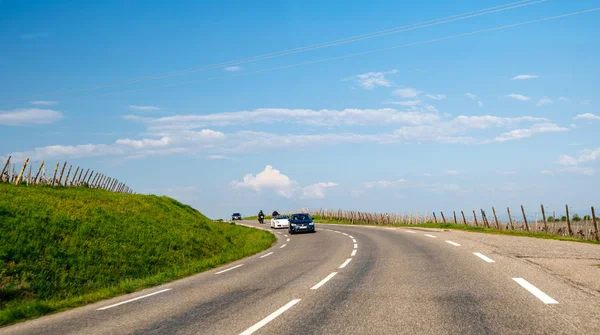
(281, 221)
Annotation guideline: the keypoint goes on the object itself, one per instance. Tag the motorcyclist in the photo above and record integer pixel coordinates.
(261, 216)
(275, 213)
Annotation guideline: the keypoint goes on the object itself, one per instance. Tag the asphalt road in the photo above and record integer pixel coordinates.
(351, 280)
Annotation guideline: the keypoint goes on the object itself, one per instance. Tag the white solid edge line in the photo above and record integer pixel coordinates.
(535, 291)
(453, 243)
(134, 299)
(322, 282)
(283, 246)
(391, 228)
(410, 231)
(265, 255)
(345, 263)
(484, 257)
(270, 318)
(231, 268)
(432, 236)
(353, 253)
(355, 245)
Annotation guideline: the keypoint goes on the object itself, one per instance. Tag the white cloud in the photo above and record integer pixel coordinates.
(567, 160)
(587, 155)
(218, 157)
(524, 77)
(385, 183)
(453, 172)
(407, 103)
(146, 143)
(519, 97)
(323, 117)
(488, 121)
(143, 108)
(587, 116)
(407, 93)
(19, 117)
(563, 99)
(544, 101)
(316, 191)
(43, 102)
(524, 133)
(471, 96)
(269, 178)
(370, 80)
(436, 96)
(233, 68)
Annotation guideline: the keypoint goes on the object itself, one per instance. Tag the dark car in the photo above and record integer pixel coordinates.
(236, 216)
(300, 223)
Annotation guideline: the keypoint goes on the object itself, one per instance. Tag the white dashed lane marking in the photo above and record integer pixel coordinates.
(134, 299)
(231, 268)
(453, 243)
(283, 246)
(265, 255)
(345, 263)
(535, 291)
(432, 236)
(322, 282)
(353, 253)
(355, 245)
(270, 318)
(484, 257)
(410, 231)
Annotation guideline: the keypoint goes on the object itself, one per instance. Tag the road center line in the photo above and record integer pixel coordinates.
(337, 232)
(283, 246)
(453, 243)
(345, 263)
(484, 257)
(285, 235)
(134, 299)
(353, 253)
(231, 268)
(270, 318)
(288, 240)
(354, 240)
(355, 245)
(350, 236)
(265, 255)
(322, 282)
(432, 236)
(535, 291)
(344, 234)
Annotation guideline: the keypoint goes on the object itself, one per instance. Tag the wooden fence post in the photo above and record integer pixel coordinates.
(454, 213)
(484, 218)
(22, 170)
(29, 175)
(512, 227)
(74, 176)
(544, 217)
(38, 173)
(443, 217)
(475, 217)
(464, 219)
(5, 168)
(595, 224)
(569, 221)
(93, 180)
(82, 180)
(524, 218)
(495, 218)
(434, 218)
(67, 177)
(90, 178)
(61, 173)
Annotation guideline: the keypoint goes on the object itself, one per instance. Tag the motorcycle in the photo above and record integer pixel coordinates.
(261, 219)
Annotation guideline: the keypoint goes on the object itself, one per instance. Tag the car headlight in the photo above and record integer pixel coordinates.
(311, 223)
(293, 225)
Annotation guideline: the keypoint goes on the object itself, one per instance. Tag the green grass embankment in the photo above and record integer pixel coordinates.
(66, 247)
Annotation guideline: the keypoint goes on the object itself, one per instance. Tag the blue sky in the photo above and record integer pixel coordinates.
(498, 118)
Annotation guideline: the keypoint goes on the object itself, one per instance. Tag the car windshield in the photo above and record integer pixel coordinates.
(236, 214)
(300, 217)
(282, 217)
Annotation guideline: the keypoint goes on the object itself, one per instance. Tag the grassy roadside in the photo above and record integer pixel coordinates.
(255, 218)
(468, 228)
(66, 247)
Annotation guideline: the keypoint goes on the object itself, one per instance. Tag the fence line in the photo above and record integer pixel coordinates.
(77, 179)
(568, 225)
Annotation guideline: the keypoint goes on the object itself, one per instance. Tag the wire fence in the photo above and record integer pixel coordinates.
(585, 227)
(59, 176)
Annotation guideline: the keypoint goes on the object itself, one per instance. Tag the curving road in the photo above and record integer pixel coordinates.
(353, 280)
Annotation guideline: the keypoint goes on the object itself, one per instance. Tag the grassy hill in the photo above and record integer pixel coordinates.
(65, 247)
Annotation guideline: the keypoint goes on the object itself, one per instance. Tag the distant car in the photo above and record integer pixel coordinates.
(281, 221)
(301, 222)
(236, 216)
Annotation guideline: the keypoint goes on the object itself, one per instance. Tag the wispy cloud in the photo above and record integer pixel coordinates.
(587, 116)
(143, 108)
(218, 157)
(452, 172)
(474, 98)
(20, 117)
(586, 102)
(524, 77)
(316, 191)
(370, 80)
(29, 36)
(43, 102)
(407, 93)
(386, 183)
(519, 97)
(406, 103)
(544, 101)
(524, 133)
(233, 68)
(435, 96)
(563, 99)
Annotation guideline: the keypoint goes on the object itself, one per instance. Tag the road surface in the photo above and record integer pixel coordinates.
(352, 280)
